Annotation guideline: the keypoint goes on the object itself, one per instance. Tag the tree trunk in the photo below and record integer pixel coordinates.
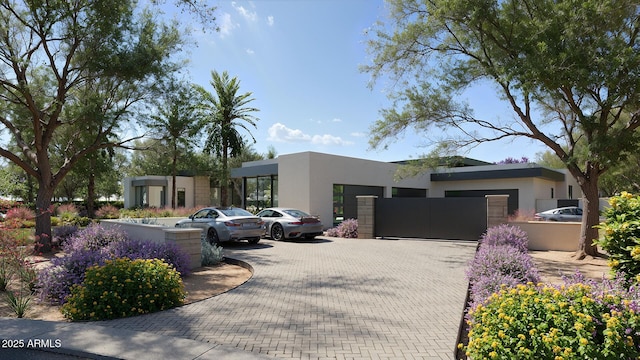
(174, 165)
(224, 183)
(91, 188)
(591, 217)
(43, 218)
(91, 194)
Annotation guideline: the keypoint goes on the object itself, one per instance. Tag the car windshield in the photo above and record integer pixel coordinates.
(296, 213)
(235, 212)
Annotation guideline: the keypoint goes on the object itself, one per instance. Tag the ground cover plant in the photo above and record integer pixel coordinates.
(125, 287)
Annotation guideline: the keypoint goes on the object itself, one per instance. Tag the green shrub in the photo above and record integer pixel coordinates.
(545, 322)
(620, 235)
(125, 287)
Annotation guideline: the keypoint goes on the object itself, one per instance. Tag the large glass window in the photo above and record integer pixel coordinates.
(338, 204)
(260, 192)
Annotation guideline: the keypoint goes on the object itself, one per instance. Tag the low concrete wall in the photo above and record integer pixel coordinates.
(187, 239)
(551, 235)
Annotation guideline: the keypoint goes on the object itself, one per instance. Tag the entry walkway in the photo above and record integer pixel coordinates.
(331, 299)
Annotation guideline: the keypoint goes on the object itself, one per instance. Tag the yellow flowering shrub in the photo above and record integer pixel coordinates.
(620, 235)
(125, 287)
(545, 322)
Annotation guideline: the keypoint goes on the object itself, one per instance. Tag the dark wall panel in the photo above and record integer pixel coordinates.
(431, 218)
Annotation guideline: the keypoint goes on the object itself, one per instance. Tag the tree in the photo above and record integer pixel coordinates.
(176, 123)
(569, 69)
(224, 112)
(77, 68)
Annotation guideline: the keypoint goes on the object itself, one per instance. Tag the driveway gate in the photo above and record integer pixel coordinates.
(431, 218)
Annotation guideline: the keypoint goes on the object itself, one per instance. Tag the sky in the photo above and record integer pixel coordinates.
(300, 60)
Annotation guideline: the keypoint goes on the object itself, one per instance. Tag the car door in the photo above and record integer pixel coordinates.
(267, 216)
(203, 218)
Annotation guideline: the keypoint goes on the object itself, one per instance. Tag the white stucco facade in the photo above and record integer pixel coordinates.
(155, 191)
(306, 180)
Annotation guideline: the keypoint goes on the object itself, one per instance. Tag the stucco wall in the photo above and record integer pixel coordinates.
(193, 196)
(550, 235)
(305, 180)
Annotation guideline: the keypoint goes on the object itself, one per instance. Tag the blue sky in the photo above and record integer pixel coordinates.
(301, 59)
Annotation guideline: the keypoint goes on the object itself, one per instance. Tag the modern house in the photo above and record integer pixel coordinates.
(327, 185)
(155, 191)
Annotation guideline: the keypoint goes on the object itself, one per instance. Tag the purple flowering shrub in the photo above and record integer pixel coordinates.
(54, 282)
(93, 246)
(95, 237)
(499, 262)
(506, 235)
(61, 234)
(347, 229)
(144, 249)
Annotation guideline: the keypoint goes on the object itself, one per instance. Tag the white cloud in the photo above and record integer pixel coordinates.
(327, 139)
(358, 134)
(226, 25)
(250, 51)
(248, 15)
(336, 120)
(280, 133)
(270, 20)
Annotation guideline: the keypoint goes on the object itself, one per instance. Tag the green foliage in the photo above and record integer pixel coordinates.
(567, 69)
(545, 322)
(621, 235)
(13, 263)
(211, 254)
(125, 287)
(19, 301)
(224, 113)
(6, 272)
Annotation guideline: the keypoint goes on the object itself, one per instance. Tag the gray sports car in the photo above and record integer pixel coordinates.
(287, 223)
(225, 224)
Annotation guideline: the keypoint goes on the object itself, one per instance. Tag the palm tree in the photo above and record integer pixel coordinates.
(226, 111)
(176, 123)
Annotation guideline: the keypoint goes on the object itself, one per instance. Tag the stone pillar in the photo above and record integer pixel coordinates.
(366, 216)
(189, 241)
(497, 210)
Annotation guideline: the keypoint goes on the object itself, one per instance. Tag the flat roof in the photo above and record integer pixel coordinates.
(528, 172)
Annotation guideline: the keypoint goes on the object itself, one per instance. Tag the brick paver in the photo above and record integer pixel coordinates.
(332, 299)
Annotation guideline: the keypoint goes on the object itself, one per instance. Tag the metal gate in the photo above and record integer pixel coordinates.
(431, 218)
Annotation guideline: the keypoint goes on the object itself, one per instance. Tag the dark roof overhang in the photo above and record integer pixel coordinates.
(534, 172)
(255, 170)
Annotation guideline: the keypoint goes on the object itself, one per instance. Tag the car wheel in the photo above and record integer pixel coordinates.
(212, 237)
(277, 232)
(254, 241)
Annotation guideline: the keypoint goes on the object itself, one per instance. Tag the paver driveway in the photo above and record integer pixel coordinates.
(332, 299)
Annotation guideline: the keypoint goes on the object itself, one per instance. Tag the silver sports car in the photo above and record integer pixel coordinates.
(287, 223)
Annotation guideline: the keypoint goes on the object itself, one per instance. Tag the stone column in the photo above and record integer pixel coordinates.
(366, 216)
(497, 209)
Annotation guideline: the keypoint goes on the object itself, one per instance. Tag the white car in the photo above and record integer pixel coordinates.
(287, 223)
(570, 213)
